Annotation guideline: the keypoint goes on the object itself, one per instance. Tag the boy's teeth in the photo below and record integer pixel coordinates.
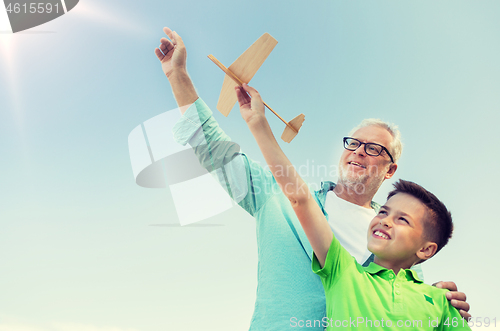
(380, 234)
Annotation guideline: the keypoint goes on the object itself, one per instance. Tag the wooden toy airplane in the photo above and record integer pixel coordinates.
(241, 71)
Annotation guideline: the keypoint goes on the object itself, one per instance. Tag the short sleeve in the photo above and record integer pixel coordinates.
(337, 260)
(452, 320)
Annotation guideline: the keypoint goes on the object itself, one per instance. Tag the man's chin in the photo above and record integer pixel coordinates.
(353, 179)
(360, 184)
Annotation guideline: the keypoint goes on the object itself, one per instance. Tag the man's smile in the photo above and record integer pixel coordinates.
(353, 163)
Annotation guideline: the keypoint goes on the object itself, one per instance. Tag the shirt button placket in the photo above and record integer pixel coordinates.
(398, 297)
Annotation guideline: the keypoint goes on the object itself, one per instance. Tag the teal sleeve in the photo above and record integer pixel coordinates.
(245, 180)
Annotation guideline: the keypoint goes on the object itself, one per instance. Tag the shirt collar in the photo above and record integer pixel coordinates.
(327, 186)
(373, 268)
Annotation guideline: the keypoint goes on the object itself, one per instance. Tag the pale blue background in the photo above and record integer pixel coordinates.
(83, 248)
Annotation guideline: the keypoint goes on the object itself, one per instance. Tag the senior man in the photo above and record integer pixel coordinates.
(289, 294)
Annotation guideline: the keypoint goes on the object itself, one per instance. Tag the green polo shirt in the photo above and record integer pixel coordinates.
(374, 298)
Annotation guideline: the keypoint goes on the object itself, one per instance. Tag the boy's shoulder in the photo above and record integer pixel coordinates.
(410, 278)
(433, 291)
(428, 294)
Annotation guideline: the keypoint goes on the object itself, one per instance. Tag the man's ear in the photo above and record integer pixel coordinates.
(427, 250)
(392, 169)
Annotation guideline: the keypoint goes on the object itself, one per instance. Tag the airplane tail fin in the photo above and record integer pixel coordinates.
(296, 123)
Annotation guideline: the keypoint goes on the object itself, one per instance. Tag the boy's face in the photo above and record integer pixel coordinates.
(396, 234)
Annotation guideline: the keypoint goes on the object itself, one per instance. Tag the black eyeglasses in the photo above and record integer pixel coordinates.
(372, 149)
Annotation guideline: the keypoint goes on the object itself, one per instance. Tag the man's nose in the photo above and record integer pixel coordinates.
(360, 150)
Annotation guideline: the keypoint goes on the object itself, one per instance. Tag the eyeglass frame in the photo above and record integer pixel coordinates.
(362, 143)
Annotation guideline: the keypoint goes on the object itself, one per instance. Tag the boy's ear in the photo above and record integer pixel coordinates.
(427, 250)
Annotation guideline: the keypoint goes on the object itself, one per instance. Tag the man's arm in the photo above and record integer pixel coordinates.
(172, 55)
(246, 181)
(295, 189)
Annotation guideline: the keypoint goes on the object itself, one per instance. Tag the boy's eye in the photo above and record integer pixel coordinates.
(404, 219)
(382, 212)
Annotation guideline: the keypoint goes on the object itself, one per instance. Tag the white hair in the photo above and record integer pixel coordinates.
(396, 147)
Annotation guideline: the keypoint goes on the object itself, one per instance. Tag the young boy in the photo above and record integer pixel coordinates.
(410, 228)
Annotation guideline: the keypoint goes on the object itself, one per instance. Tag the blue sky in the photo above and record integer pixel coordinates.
(84, 248)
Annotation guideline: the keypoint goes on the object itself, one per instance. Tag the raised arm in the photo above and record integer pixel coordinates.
(293, 186)
(243, 179)
(172, 55)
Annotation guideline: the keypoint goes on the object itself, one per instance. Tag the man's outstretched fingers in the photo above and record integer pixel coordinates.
(166, 45)
(159, 54)
(176, 39)
(168, 32)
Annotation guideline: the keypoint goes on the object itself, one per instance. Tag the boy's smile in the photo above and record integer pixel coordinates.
(379, 233)
(396, 234)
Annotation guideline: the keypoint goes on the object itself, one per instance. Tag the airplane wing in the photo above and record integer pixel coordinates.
(245, 67)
